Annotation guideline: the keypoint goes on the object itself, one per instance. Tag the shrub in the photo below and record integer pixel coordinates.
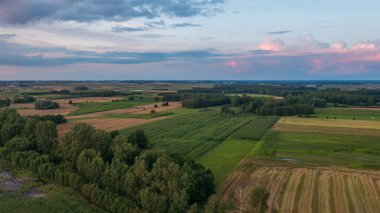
(45, 104)
(5, 102)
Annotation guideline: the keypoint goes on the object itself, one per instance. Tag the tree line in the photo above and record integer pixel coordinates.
(117, 173)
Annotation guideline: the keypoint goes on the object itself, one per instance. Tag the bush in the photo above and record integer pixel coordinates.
(5, 102)
(24, 99)
(81, 88)
(45, 104)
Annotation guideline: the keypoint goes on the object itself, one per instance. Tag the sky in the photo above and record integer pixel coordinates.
(189, 40)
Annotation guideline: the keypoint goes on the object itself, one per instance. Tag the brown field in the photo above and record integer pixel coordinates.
(131, 110)
(108, 124)
(333, 126)
(307, 189)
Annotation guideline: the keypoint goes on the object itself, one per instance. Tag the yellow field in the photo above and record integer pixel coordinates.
(308, 189)
(331, 126)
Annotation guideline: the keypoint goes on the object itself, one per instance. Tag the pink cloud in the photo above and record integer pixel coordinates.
(232, 64)
(276, 45)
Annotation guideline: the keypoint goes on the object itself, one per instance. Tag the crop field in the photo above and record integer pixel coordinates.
(255, 129)
(88, 107)
(193, 133)
(307, 189)
(349, 113)
(141, 110)
(223, 159)
(329, 126)
(320, 149)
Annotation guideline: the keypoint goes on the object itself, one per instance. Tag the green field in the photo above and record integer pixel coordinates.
(255, 129)
(193, 133)
(223, 159)
(347, 113)
(90, 107)
(320, 149)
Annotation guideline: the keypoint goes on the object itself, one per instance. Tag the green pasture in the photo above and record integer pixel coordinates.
(224, 158)
(256, 128)
(90, 107)
(320, 149)
(347, 113)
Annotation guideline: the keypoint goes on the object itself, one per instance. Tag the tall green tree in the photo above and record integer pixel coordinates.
(46, 135)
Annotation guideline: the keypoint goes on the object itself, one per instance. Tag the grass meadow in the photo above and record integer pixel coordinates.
(320, 149)
(348, 113)
(90, 107)
(223, 159)
(255, 129)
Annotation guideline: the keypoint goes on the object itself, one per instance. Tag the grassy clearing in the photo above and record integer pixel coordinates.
(193, 132)
(320, 149)
(58, 199)
(90, 107)
(255, 129)
(348, 113)
(225, 157)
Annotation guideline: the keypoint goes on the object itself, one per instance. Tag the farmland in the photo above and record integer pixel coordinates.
(349, 113)
(308, 189)
(90, 107)
(223, 159)
(193, 133)
(255, 129)
(334, 151)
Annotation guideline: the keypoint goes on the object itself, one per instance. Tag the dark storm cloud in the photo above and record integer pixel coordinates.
(279, 32)
(23, 11)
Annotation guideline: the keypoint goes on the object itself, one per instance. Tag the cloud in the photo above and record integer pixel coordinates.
(156, 24)
(181, 25)
(24, 11)
(309, 43)
(127, 29)
(279, 32)
(273, 45)
(7, 36)
(154, 36)
(24, 55)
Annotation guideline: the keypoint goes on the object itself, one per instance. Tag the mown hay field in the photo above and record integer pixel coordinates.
(307, 189)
